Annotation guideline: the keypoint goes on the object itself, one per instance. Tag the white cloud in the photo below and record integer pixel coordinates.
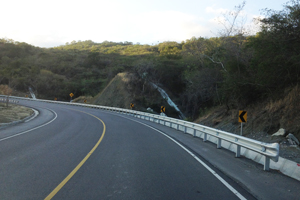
(215, 11)
(168, 25)
(53, 23)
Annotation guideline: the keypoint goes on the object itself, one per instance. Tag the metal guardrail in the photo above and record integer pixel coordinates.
(4, 100)
(268, 150)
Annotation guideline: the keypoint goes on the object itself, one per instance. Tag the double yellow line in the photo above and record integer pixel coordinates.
(53, 193)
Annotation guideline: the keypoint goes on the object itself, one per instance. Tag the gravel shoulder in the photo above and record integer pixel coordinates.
(13, 113)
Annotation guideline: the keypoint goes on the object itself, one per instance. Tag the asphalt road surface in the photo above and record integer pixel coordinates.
(70, 152)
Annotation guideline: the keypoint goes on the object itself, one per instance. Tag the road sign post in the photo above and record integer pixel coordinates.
(242, 119)
(71, 95)
(131, 106)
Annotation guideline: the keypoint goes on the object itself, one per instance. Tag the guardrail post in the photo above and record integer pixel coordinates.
(185, 129)
(204, 137)
(267, 163)
(219, 143)
(238, 151)
(194, 132)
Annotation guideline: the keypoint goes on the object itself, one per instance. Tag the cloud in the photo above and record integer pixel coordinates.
(213, 10)
(168, 25)
(48, 24)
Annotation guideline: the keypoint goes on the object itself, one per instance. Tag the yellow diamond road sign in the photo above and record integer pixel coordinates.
(71, 95)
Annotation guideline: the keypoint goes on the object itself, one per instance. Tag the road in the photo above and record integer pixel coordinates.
(70, 152)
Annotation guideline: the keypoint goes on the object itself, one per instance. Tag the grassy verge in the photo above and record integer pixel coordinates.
(13, 113)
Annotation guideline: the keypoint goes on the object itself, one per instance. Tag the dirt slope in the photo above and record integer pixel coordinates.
(116, 93)
(264, 119)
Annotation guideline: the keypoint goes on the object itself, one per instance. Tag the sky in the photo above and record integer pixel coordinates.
(53, 23)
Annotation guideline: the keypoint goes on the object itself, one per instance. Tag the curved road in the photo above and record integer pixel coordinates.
(70, 152)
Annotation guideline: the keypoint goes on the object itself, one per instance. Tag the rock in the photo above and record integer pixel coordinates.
(291, 142)
(150, 109)
(280, 132)
(163, 114)
(293, 139)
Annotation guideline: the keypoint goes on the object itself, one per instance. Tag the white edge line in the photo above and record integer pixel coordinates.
(18, 134)
(234, 191)
(34, 116)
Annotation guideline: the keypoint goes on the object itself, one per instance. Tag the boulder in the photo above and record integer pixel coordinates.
(280, 132)
(150, 109)
(163, 114)
(292, 139)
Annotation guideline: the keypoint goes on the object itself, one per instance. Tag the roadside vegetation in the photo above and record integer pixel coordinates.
(234, 70)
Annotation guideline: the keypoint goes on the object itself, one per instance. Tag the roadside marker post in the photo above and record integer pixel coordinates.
(71, 95)
(242, 119)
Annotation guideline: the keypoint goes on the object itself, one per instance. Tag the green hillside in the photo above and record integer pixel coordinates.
(234, 70)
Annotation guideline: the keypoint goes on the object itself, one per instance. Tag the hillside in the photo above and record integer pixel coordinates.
(116, 93)
(231, 72)
(264, 119)
(125, 88)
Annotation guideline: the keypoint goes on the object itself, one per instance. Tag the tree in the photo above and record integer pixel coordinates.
(277, 48)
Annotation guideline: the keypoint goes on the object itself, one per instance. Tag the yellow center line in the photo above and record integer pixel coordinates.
(53, 193)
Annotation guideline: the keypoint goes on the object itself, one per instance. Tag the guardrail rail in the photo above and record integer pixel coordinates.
(268, 150)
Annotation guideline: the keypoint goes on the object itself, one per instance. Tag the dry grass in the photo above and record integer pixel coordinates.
(116, 93)
(13, 113)
(84, 99)
(5, 90)
(289, 102)
(264, 117)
